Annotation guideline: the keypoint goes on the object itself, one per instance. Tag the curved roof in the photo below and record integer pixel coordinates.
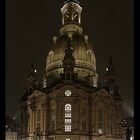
(83, 53)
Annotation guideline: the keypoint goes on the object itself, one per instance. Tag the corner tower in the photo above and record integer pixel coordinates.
(110, 77)
(83, 52)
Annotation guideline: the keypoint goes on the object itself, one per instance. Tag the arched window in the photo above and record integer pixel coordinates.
(67, 118)
(67, 108)
(52, 120)
(100, 119)
(84, 119)
(67, 111)
(38, 115)
(38, 120)
(111, 129)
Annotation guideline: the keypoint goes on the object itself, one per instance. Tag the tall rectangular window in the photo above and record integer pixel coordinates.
(111, 129)
(52, 125)
(100, 119)
(52, 120)
(83, 125)
(67, 118)
(67, 121)
(67, 127)
(38, 115)
(67, 115)
(38, 120)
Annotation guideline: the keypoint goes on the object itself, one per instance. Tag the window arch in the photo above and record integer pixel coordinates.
(67, 108)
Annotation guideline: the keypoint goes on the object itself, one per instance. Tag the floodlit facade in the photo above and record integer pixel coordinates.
(70, 105)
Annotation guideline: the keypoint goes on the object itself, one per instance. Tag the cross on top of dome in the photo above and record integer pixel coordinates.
(76, 1)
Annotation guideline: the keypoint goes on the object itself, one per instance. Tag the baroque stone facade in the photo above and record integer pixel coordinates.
(70, 105)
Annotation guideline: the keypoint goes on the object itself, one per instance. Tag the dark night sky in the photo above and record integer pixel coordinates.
(31, 25)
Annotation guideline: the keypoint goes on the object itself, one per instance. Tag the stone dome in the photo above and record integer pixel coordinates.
(85, 62)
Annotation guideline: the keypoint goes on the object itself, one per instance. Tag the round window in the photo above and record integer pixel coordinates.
(68, 93)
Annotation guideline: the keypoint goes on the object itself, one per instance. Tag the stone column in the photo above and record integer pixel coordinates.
(79, 18)
(41, 119)
(62, 19)
(107, 120)
(32, 121)
(95, 119)
(93, 123)
(44, 119)
(47, 111)
(29, 120)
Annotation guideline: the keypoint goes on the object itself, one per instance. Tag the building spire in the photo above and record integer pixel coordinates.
(32, 70)
(110, 81)
(31, 80)
(110, 76)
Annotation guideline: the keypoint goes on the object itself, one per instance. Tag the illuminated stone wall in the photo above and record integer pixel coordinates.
(85, 108)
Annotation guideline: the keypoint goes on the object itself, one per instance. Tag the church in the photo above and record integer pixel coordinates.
(70, 104)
